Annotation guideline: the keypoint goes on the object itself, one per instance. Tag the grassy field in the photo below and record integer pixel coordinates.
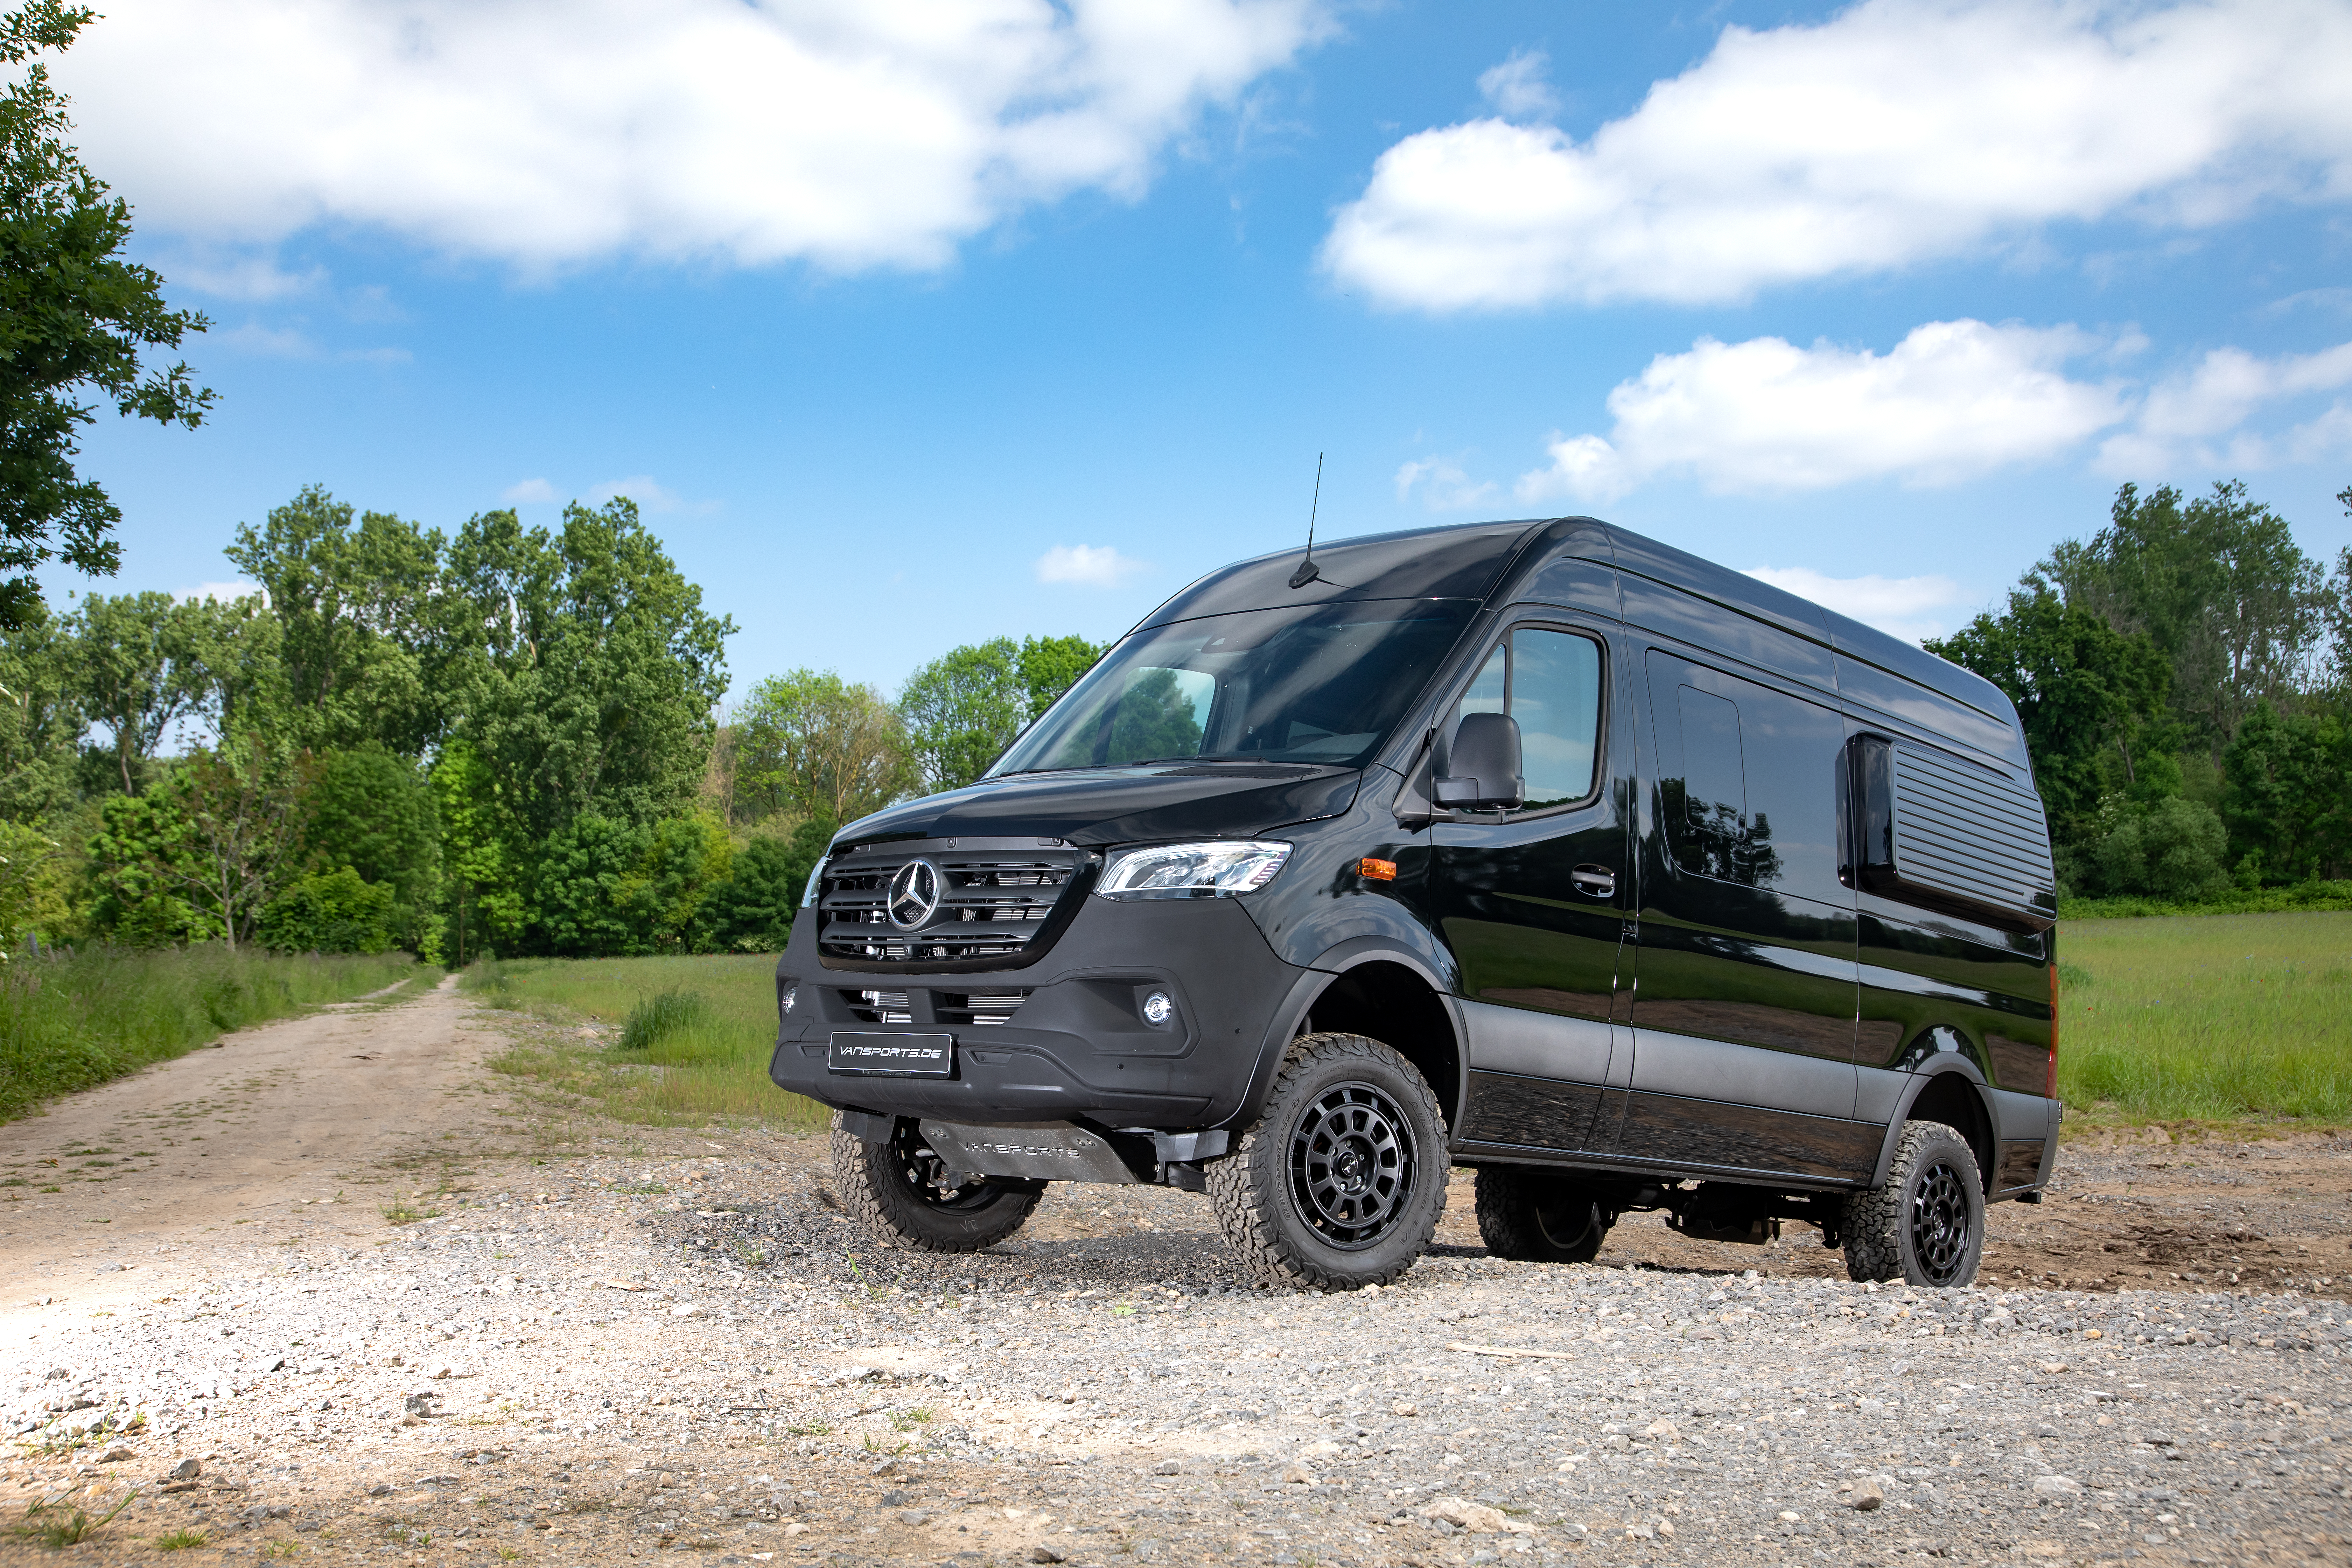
(73, 1020)
(677, 1042)
(2207, 1019)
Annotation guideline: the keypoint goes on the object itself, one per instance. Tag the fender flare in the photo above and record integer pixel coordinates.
(1312, 982)
(1945, 1063)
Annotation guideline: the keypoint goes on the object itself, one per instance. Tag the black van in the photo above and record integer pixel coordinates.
(1537, 848)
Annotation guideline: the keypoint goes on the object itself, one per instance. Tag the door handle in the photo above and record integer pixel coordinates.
(1598, 880)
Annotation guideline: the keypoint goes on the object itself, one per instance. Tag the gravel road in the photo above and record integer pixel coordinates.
(611, 1343)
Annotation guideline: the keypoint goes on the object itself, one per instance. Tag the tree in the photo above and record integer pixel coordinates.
(1051, 666)
(330, 911)
(585, 668)
(74, 318)
(41, 723)
(2287, 796)
(358, 613)
(812, 745)
(484, 857)
(2169, 849)
(243, 811)
(374, 814)
(2221, 588)
(2082, 690)
(146, 874)
(138, 663)
(753, 911)
(962, 710)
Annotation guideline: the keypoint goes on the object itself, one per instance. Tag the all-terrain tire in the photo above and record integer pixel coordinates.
(1539, 1216)
(1340, 1182)
(899, 1191)
(1926, 1225)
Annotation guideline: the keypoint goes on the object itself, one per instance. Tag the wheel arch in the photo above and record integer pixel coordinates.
(1952, 1092)
(1373, 987)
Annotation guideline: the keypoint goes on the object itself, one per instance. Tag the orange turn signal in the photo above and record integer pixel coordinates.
(1373, 870)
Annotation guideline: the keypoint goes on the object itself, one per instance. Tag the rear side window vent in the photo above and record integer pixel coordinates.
(1933, 830)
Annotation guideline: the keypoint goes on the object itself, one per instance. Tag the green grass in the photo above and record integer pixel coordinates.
(689, 1038)
(73, 1020)
(2207, 1019)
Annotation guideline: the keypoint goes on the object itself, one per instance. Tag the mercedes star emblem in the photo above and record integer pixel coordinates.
(914, 894)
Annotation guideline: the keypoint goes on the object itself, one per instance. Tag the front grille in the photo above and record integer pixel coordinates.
(977, 1006)
(994, 896)
(881, 1006)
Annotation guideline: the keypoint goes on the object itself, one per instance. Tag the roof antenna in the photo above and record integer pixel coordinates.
(1306, 571)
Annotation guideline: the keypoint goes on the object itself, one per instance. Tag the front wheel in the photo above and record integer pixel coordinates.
(906, 1196)
(1340, 1182)
(1926, 1225)
(1539, 1216)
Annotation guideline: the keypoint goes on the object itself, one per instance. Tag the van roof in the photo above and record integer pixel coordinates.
(1467, 561)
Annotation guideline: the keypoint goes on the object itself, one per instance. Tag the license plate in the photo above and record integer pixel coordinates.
(892, 1056)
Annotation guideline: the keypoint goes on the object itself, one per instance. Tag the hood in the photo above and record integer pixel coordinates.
(1120, 806)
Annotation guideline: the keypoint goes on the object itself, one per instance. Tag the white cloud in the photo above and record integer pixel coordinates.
(1087, 565)
(1442, 485)
(244, 276)
(270, 342)
(1897, 132)
(850, 133)
(650, 494)
(1900, 606)
(527, 492)
(1953, 399)
(1519, 88)
(2197, 416)
(226, 593)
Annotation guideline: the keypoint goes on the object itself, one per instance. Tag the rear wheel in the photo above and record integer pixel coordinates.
(1340, 1182)
(1926, 1225)
(1539, 1216)
(905, 1195)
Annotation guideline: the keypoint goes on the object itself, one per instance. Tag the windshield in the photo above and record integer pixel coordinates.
(1319, 683)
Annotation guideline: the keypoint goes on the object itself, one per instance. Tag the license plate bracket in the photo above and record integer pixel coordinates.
(873, 1054)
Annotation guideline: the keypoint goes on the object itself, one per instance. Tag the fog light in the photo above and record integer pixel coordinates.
(1158, 1009)
(791, 995)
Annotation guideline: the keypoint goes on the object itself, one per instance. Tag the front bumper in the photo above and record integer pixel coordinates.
(1077, 1047)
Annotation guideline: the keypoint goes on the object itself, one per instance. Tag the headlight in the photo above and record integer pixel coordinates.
(1216, 870)
(815, 882)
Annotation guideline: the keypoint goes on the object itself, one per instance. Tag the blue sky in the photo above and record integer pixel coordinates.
(912, 324)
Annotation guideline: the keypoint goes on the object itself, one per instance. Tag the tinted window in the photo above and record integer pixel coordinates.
(1550, 682)
(1748, 781)
(1315, 683)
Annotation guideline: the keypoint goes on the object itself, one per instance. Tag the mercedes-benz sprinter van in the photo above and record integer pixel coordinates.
(1536, 848)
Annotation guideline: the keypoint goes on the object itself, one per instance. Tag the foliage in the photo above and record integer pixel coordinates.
(375, 814)
(32, 890)
(2171, 850)
(753, 911)
(1051, 666)
(2216, 584)
(812, 745)
(330, 911)
(74, 316)
(41, 721)
(140, 665)
(2286, 800)
(484, 856)
(357, 611)
(80, 1019)
(606, 886)
(962, 710)
(144, 869)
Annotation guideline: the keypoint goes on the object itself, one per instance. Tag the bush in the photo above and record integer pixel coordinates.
(331, 911)
(2171, 850)
(661, 1014)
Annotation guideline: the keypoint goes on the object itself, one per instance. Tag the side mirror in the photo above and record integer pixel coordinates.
(1481, 767)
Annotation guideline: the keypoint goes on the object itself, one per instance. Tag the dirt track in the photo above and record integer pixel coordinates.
(217, 1253)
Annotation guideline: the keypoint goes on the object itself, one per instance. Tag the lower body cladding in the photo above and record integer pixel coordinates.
(1075, 1037)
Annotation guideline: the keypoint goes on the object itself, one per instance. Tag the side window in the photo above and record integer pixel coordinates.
(1747, 781)
(1550, 682)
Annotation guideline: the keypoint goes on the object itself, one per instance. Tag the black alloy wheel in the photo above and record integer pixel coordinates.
(1353, 1163)
(1341, 1181)
(1925, 1224)
(1942, 1229)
